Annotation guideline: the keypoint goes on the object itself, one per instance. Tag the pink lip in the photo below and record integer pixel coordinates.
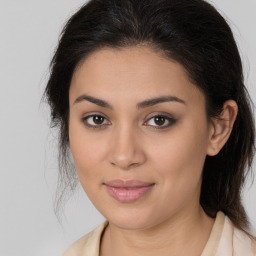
(127, 190)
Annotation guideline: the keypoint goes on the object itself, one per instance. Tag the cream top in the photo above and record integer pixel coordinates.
(224, 240)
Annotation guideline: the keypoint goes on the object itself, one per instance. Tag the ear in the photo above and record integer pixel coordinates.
(221, 127)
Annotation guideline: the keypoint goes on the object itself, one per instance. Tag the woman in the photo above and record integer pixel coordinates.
(150, 101)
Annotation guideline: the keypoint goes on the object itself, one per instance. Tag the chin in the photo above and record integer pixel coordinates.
(132, 220)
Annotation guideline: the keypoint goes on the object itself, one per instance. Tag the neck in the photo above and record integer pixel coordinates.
(184, 234)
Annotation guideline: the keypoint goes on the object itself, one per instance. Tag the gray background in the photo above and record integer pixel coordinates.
(29, 32)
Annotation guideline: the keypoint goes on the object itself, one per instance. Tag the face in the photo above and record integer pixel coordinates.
(139, 136)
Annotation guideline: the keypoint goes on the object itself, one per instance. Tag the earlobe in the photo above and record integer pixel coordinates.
(221, 127)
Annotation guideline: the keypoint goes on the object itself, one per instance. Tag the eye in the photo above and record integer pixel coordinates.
(160, 121)
(95, 121)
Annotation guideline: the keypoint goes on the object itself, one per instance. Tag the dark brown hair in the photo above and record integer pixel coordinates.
(191, 32)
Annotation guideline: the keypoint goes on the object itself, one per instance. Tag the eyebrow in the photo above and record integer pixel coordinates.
(143, 104)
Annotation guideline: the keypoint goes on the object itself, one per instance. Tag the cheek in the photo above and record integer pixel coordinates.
(86, 151)
(178, 165)
(87, 156)
(179, 159)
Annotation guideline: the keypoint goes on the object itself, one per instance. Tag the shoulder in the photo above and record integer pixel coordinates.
(254, 247)
(243, 243)
(76, 248)
(88, 244)
(230, 240)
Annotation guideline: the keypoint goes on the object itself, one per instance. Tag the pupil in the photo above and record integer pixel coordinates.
(98, 119)
(159, 120)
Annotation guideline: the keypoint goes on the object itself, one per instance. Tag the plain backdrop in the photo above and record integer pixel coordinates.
(29, 32)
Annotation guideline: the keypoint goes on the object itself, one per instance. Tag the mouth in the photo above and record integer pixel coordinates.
(126, 191)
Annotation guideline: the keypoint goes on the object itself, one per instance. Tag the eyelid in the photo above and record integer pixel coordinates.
(168, 117)
(92, 115)
(164, 114)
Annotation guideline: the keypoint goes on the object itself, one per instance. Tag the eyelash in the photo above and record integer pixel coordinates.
(102, 126)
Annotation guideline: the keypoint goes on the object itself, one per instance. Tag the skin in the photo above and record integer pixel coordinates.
(169, 219)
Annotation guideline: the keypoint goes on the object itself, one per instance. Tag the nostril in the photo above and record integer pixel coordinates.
(125, 166)
(126, 155)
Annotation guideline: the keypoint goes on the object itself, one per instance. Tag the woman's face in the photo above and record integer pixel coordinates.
(139, 136)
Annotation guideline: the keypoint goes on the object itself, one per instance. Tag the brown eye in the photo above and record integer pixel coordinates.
(160, 121)
(95, 121)
(98, 119)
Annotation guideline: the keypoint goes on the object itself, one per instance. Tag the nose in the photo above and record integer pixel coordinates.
(126, 151)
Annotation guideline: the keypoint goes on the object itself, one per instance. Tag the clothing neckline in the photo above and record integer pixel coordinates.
(210, 247)
(215, 235)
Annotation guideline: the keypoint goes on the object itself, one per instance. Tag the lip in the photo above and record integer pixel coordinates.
(126, 191)
(128, 183)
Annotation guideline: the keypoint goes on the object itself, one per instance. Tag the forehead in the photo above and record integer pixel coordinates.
(134, 71)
